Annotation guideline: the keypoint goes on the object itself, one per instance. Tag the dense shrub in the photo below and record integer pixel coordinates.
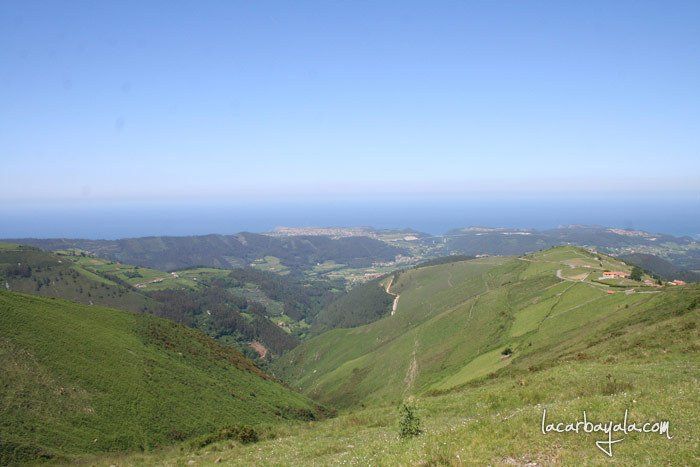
(243, 434)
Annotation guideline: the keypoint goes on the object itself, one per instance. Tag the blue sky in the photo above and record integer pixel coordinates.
(249, 100)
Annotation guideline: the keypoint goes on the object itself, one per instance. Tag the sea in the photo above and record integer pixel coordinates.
(97, 219)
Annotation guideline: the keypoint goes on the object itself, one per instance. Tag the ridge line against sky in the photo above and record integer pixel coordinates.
(175, 100)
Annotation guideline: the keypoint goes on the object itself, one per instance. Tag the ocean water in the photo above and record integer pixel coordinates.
(436, 216)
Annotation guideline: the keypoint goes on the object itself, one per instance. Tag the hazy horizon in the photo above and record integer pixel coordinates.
(431, 215)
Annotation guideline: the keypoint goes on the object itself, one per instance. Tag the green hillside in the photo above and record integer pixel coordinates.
(30, 270)
(260, 312)
(683, 252)
(574, 348)
(86, 379)
(454, 323)
(660, 267)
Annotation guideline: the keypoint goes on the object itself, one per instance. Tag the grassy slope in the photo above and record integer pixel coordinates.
(80, 379)
(454, 320)
(346, 366)
(646, 361)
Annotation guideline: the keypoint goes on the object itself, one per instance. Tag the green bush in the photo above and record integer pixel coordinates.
(243, 434)
(409, 425)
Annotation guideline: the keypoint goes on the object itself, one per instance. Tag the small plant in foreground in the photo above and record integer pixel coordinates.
(409, 425)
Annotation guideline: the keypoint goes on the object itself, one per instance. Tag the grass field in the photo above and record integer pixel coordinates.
(80, 379)
(272, 264)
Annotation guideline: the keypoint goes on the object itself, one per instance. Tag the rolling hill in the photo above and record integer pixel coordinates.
(481, 348)
(660, 267)
(30, 270)
(681, 251)
(229, 251)
(466, 320)
(262, 313)
(79, 379)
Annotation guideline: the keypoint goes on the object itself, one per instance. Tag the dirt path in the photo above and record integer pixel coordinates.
(471, 308)
(259, 348)
(396, 296)
(412, 371)
(574, 307)
(388, 284)
(395, 304)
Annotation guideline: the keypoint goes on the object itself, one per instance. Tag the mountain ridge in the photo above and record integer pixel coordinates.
(170, 253)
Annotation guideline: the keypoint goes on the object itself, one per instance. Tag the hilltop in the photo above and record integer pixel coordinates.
(79, 379)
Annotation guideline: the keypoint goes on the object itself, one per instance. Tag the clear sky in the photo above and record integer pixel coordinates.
(213, 100)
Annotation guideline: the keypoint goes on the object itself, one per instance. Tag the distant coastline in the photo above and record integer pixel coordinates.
(110, 221)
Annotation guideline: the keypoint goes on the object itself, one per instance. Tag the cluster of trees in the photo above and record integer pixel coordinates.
(302, 299)
(220, 312)
(18, 270)
(363, 304)
(636, 274)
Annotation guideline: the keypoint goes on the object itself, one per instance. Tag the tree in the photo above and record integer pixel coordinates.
(636, 274)
(409, 425)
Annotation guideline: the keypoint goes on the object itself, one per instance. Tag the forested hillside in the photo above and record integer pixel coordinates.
(660, 267)
(363, 304)
(30, 270)
(229, 251)
(681, 251)
(240, 307)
